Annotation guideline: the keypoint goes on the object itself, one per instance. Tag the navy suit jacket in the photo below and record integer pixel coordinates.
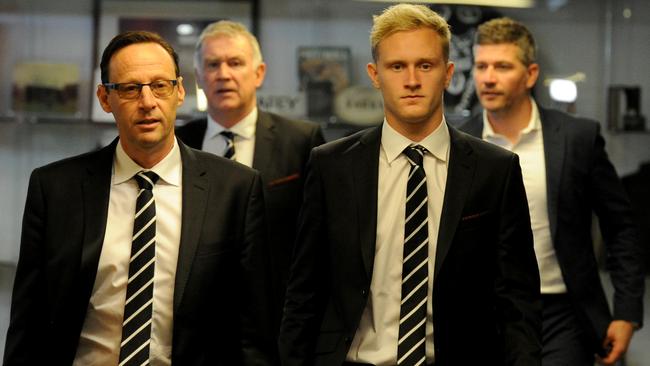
(220, 300)
(486, 308)
(282, 148)
(580, 181)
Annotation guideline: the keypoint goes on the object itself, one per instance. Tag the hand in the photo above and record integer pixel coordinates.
(619, 334)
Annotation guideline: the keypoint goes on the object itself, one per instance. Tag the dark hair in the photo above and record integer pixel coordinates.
(507, 30)
(133, 37)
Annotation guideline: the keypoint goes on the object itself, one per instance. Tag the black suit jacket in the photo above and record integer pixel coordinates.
(486, 286)
(580, 180)
(219, 299)
(282, 148)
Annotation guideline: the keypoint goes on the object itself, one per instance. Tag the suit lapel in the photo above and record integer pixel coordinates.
(195, 192)
(462, 164)
(365, 168)
(264, 136)
(553, 137)
(95, 194)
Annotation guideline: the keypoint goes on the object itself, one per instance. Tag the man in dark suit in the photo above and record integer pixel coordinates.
(183, 282)
(414, 244)
(568, 176)
(229, 69)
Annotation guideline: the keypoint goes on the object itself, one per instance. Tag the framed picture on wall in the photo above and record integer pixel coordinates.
(323, 72)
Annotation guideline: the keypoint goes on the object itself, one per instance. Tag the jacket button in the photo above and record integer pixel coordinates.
(364, 292)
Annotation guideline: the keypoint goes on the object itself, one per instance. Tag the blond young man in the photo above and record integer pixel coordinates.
(414, 245)
(568, 177)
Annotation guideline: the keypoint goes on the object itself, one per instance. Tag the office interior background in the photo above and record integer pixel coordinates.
(593, 56)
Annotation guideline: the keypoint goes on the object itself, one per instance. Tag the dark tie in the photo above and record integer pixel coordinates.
(230, 145)
(415, 265)
(136, 326)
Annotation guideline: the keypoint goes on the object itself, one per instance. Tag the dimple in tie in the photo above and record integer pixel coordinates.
(230, 145)
(415, 265)
(136, 326)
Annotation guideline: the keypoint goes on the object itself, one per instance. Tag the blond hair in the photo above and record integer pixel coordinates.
(506, 30)
(407, 17)
(231, 29)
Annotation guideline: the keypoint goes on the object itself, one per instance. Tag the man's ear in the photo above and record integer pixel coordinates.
(372, 74)
(450, 73)
(260, 73)
(181, 91)
(533, 74)
(102, 96)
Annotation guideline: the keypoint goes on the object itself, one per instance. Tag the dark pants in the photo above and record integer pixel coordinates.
(563, 338)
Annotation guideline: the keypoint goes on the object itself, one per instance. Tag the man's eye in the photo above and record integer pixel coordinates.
(128, 88)
(159, 84)
(235, 63)
(396, 67)
(426, 67)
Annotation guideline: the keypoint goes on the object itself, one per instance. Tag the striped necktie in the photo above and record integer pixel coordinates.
(230, 145)
(415, 265)
(136, 326)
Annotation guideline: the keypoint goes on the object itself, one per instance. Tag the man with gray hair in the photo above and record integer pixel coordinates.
(229, 68)
(414, 245)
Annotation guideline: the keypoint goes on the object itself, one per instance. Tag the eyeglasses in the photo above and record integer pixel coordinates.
(159, 88)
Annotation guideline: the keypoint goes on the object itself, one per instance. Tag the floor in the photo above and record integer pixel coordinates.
(638, 354)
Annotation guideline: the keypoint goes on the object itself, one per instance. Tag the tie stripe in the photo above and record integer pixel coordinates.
(138, 306)
(415, 266)
(229, 153)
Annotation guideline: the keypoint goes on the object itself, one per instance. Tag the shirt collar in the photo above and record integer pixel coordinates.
(534, 124)
(244, 128)
(437, 143)
(168, 169)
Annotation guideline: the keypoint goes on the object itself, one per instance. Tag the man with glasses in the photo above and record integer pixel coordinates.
(146, 251)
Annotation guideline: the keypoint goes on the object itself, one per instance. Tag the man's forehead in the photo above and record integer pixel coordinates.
(142, 57)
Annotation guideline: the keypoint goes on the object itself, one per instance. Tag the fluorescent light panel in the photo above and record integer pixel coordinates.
(494, 3)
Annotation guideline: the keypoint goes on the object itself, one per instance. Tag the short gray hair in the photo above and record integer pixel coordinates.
(227, 28)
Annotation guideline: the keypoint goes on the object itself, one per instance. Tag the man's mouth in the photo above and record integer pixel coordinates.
(148, 121)
(490, 94)
(225, 91)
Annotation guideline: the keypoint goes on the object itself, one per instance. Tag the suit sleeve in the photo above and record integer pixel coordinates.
(518, 283)
(258, 347)
(620, 233)
(306, 290)
(28, 321)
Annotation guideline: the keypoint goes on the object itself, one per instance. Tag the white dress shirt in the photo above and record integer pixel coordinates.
(530, 148)
(244, 140)
(375, 341)
(101, 334)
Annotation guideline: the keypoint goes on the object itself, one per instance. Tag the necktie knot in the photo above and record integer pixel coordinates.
(228, 135)
(415, 154)
(146, 180)
(230, 144)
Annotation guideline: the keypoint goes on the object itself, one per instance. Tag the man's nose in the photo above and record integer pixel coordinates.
(147, 98)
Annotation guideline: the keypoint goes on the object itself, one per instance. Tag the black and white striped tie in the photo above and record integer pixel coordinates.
(415, 265)
(136, 326)
(230, 145)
